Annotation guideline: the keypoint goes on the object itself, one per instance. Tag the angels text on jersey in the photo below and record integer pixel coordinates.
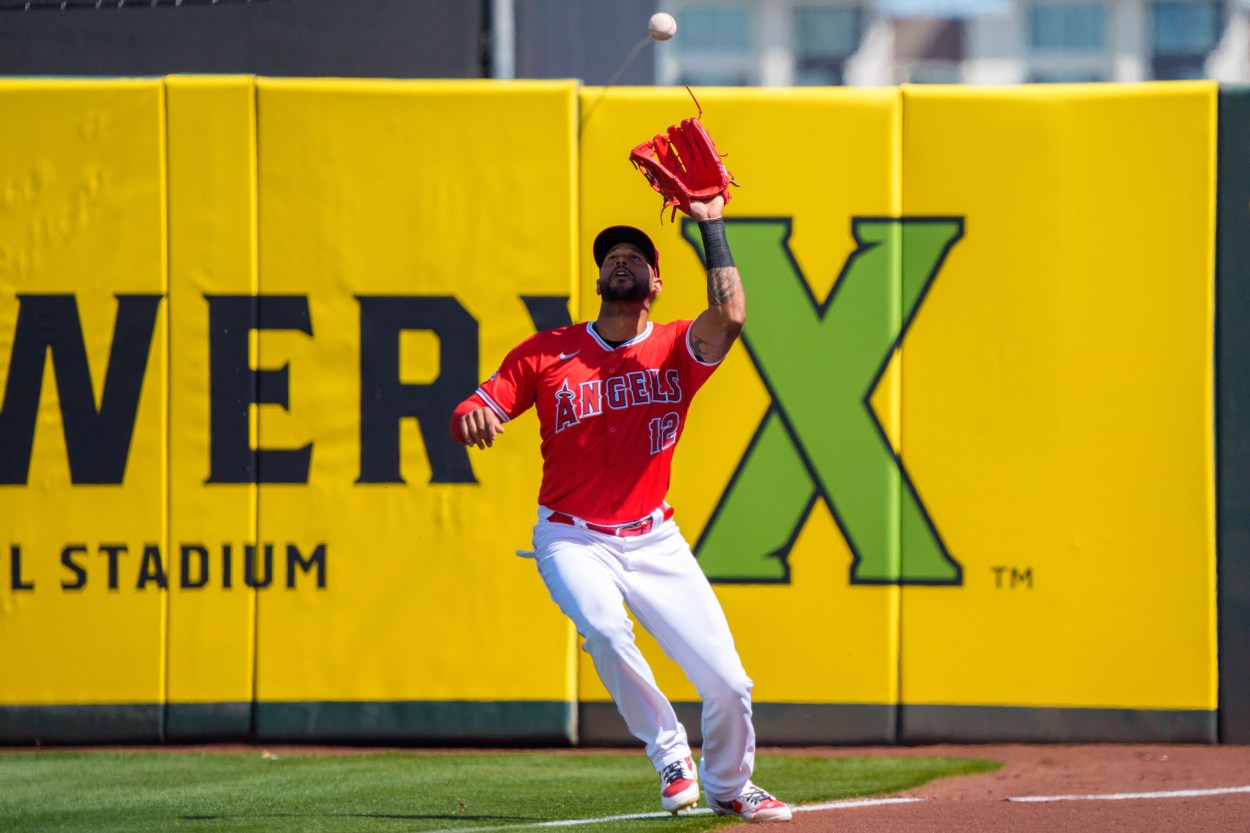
(630, 390)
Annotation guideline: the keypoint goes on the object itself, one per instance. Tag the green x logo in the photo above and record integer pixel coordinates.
(820, 439)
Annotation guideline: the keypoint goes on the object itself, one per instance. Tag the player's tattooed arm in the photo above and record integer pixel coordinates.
(718, 326)
(702, 350)
(723, 286)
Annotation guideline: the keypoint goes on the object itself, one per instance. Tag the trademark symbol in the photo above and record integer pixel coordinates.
(1012, 578)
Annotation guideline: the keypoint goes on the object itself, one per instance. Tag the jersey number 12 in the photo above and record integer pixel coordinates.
(664, 431)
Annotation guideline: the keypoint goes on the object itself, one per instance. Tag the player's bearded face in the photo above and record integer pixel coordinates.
(625, 275)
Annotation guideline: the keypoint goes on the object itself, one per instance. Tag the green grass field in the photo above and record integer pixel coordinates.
(137, 792)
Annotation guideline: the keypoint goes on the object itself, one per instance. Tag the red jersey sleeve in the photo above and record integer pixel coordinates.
(511, 390)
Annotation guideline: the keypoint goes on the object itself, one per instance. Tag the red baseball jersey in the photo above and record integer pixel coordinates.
(609, 417)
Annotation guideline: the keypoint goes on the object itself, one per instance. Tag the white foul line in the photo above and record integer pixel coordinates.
(831, 805)
(848, 803)
(569, 822)
(1130, 796)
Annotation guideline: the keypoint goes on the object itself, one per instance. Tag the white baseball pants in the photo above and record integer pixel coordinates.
(591, 576)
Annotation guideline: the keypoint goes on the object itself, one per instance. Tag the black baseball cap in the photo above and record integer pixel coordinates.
(612, 235)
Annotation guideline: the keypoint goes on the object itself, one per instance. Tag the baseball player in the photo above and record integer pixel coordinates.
(612, 397)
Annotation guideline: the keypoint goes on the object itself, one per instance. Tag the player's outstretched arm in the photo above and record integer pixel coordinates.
(476, 426)
(718, 326)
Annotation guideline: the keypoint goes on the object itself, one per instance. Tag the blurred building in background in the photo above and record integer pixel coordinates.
(883, 42)
(772, 43)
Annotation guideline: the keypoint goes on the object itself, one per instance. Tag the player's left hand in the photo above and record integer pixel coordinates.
(712, 209)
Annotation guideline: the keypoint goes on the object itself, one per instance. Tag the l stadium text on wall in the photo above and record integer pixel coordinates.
(194, 567)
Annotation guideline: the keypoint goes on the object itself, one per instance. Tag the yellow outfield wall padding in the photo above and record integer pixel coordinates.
(213, 252)
(82, 280)
(963, 454)
(1057, 396)
(391, 210)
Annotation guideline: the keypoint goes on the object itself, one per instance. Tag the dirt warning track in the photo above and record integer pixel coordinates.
(1061, 789)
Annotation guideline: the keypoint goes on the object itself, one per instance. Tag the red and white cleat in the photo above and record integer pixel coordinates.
(753, 805)
(679, 785)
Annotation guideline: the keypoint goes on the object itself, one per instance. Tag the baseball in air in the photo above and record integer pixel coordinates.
(662, 26)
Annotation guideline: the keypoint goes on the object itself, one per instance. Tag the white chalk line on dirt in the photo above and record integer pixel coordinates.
(1133, 796)
(847, 804)
(829, 805)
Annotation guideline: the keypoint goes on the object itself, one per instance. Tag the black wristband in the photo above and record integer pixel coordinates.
(715, 246)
